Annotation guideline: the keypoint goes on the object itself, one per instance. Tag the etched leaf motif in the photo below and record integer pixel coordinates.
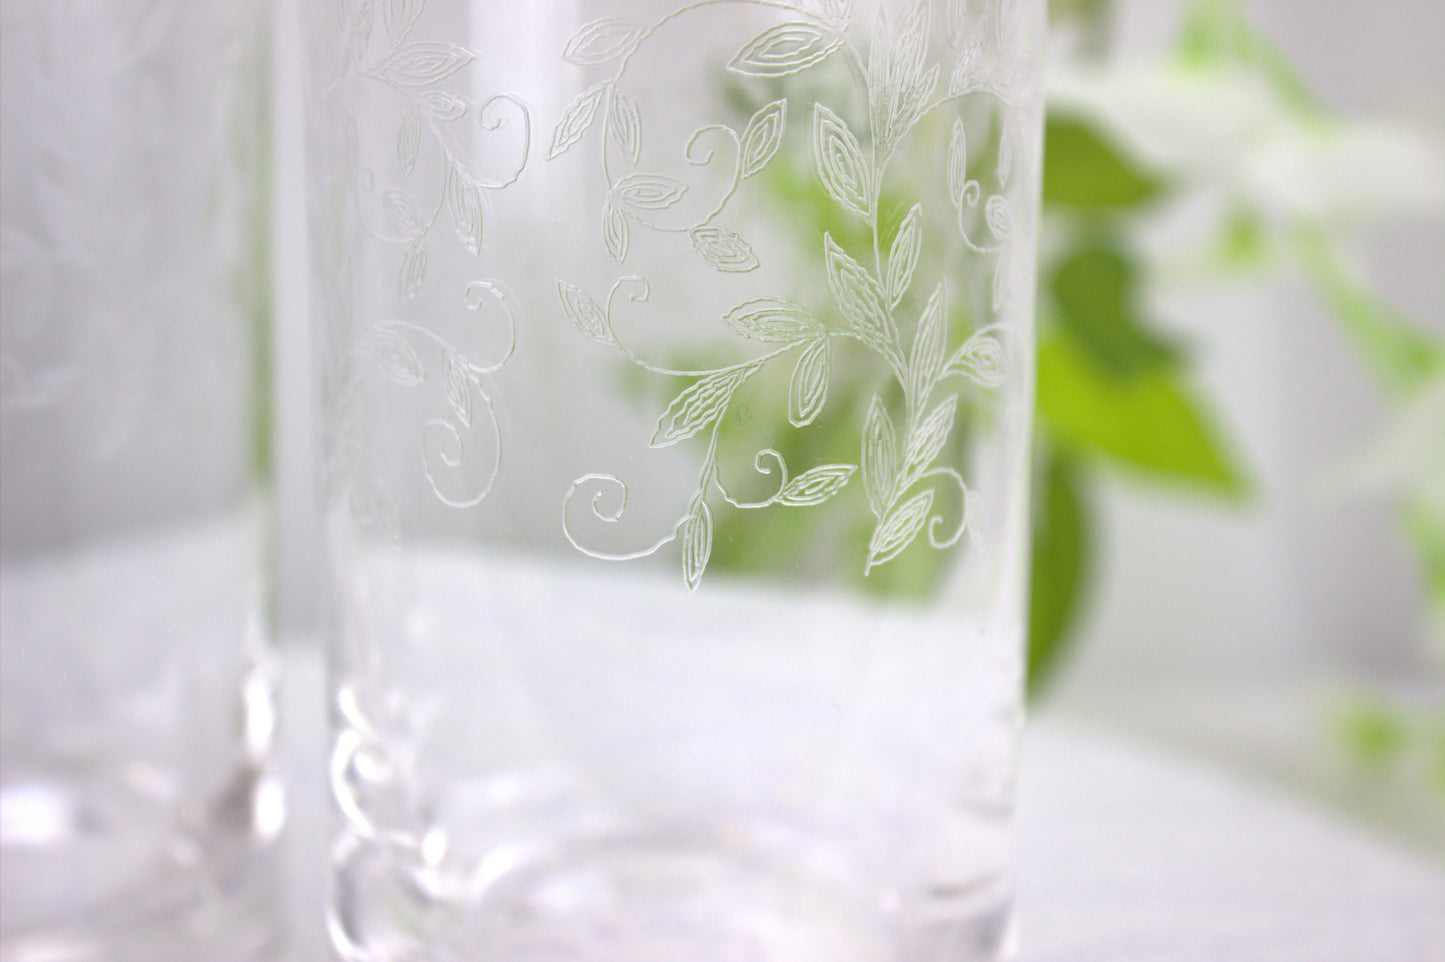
(456, 379)
(585, 312)
(808, 389)
(880, 453)
(817, 485)
(696, 543)
(921, 92)
(967, 72)
(926, 360)
(402, 213)
(615, 231)
(649, 191)
(464, 201)
(910, 44)
(625, 124)
(724, 249)
(357, 28)
(957, 21)
(413, 269)
(443, 105)
(784, 49)
(576, 118)
(423, 63)
(930, 436)
(700, 405)
(901, 527)
(859, 299)
(903, 255)
(400, 17)
(601, 41)
(1012, 77)
(408, 140)
(762, 136)
(960, 188)
(773, 319)
(394, 354)
(840, 161)
(980, 359)
(898, 84)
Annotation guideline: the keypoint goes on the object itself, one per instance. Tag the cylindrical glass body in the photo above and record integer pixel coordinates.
(135, 692)
(677, 366)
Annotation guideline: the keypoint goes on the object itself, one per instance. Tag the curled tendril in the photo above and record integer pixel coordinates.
(492, 117)
(641, 290)
(700, 155)
(607, 502)
(690, 151)
(762, 467)
(972, 193)
(444, 452)
(939, 519)
(476, 295)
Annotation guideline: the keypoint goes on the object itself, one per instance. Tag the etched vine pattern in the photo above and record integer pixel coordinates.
(416, 69)
(899, 463)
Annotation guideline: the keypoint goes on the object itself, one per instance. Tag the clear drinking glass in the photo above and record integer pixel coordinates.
(677, 366)
(135, 696)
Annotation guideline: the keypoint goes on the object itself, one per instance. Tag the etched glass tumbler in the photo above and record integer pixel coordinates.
(136, 812)
(677, 378)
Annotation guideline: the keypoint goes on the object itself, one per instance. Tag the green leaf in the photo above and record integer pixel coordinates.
(1057, 576)
(1148, 422)
(1094, 291)
(1081, 169)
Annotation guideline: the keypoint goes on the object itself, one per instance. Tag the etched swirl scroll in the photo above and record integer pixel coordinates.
(434, 176)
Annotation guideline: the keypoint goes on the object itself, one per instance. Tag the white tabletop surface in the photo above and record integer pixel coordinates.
(1125, 855)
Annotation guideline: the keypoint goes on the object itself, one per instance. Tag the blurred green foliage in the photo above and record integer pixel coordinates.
(1114, 393)
(1083, 171)
(1058, 577)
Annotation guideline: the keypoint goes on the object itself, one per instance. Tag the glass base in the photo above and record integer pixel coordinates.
(98, 870)
(640, 900)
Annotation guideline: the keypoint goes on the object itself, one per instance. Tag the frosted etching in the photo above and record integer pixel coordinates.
(436, 176)
(904, 81)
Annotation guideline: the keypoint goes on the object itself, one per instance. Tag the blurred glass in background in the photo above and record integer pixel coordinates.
(136, 809)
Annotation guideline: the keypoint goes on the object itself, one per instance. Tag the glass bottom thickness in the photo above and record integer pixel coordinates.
(641, 899)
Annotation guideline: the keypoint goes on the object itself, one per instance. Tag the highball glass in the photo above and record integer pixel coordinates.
(136, 804)
(677, 373)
